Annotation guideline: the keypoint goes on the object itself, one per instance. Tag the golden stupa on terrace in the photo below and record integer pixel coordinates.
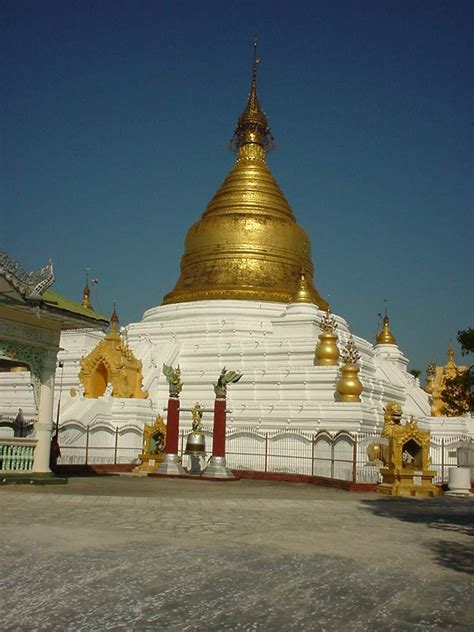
(247, 244)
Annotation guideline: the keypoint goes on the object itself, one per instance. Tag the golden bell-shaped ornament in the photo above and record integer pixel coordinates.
(196, 444)
(327, 352)
(349, 387)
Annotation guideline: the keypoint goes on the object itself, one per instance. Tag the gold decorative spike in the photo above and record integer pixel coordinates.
(349, 387)
(86, 293)
(450, 356)
(327, 351)
(114, 320)
(112, 362)
(247, 244)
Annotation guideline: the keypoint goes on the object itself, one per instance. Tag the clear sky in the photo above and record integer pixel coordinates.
(116, 117)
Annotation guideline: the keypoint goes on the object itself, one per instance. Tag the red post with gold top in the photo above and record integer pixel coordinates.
(171, 465)
(172, 426)
(218, 436)
(217, 466)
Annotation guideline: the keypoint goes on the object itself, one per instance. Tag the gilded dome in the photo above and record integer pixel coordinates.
(247, 244)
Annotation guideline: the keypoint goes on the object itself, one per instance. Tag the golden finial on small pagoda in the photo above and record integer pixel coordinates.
(114, 323)
(302, 294)
(252, 126)
(451, 354)
(385, 336)
(86, 293)
(327, 351)
(114, 319)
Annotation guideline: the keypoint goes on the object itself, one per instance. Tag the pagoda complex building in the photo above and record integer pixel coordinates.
(246, 299)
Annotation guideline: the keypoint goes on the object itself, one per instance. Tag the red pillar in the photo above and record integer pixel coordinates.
(218, 437)
(172, 426)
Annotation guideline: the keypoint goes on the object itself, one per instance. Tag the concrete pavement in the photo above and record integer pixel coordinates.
(121, 553)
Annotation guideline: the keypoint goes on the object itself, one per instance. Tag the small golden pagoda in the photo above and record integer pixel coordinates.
(154, 439)
(247, 244)
(385, 336)
(111, 361)
(407, 458)
(436, 383)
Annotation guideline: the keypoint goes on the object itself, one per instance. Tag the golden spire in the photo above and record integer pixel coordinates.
(385, 336)
(86, 293)
(247, 244)
(451, 354)
(252, 126)
(114, 325)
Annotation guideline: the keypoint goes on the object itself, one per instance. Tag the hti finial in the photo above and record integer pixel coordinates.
(114, 319)
(256, 60)
(86, 293)
(252, 126)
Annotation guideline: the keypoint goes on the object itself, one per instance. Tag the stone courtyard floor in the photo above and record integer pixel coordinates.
(126, 553)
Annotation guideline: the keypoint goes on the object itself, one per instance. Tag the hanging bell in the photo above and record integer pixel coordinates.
(196, 444)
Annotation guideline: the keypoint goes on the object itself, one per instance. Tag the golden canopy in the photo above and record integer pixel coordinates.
(247, 244)
(112, 362)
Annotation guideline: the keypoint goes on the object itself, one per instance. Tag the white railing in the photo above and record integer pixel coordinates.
(341, 456)
(16, 454)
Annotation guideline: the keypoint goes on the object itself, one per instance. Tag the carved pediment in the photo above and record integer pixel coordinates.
(112, 362)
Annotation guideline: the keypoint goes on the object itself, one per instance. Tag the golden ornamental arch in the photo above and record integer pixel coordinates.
(112, 362)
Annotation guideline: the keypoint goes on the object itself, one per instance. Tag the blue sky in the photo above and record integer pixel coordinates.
(115, 122)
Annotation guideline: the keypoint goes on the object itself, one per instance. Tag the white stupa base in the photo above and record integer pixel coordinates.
(171, 466)
(282, 390)
(217, 468)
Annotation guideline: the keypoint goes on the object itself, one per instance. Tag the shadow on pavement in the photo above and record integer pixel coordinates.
(454, 555)
(445, 515)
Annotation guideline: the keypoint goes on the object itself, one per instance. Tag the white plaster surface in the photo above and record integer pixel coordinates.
(271, 343)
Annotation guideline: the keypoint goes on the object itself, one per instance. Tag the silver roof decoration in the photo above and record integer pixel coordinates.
(29, 284)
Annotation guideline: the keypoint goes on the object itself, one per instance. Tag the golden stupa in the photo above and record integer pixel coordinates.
(247, 244)
(385, 336)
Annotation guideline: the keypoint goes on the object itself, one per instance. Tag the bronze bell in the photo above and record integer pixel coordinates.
(196, 444)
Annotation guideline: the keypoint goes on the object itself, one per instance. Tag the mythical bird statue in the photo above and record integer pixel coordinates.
(173, 377)
(225, 378)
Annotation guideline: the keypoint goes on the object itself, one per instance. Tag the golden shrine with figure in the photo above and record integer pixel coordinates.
(112, 362)
(406, 457)
(154, 439)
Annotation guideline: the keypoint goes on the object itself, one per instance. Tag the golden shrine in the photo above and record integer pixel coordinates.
(436, 383)
(407, 471)
(154, 438)
(112, 362)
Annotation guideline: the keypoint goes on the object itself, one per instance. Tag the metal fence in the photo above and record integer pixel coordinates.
(342, 456)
